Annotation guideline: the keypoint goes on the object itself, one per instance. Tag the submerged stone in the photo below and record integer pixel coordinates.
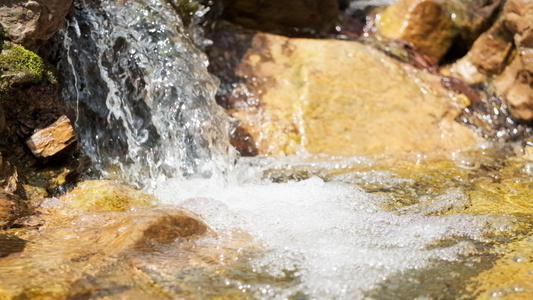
(91, 253)
(106, 195)
(12, 207)
(334, 97)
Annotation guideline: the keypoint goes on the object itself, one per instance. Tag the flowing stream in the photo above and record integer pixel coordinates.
(310, 227)
(142, 96)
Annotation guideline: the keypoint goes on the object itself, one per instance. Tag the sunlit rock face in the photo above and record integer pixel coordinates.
(334, 97)
(505, 53)
(425, 23)
(105, 195)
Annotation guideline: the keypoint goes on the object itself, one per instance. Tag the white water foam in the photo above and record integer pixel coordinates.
(332, 235)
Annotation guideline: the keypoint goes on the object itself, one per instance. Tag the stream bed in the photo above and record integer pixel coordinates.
(300, 227)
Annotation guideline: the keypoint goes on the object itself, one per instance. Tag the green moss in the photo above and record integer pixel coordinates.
(21, 66)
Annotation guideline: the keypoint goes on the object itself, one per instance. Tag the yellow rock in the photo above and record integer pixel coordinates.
(422, 22)
(340, 98)
(105, 195)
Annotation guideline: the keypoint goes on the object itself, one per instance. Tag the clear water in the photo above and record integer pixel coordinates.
(338, 240)
(313, 227)
(142, 98)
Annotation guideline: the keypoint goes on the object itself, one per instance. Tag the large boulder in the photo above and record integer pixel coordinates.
(331, 96)
(31, 22)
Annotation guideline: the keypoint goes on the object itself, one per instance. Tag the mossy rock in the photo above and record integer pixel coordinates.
(19, 66)
(106, 195)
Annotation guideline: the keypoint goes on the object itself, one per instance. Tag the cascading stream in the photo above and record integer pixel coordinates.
(144, 108)
(143, 99)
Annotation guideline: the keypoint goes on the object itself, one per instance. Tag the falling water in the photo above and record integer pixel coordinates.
(142, 97)
(144, 103)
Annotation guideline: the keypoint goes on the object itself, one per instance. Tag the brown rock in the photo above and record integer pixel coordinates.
(2, 119)
(422, 22)
(505, 52)
(11, 208)
(282, 16)
(52, 139)
(31, 22)
(335, 97)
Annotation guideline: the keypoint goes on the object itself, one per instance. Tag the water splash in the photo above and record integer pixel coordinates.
(143, 99)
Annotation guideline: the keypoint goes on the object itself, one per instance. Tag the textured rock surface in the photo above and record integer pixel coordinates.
(31, 22)
(335, 97)
(52, 139)
(282, 16)
(505, 52)
(422, 22)
(105, 195)
(87, 252)
(11, 208)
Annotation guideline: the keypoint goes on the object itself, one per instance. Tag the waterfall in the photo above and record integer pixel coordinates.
(142, 98)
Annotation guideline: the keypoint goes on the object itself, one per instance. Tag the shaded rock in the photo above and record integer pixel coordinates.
(30, 108)
(12, 207)
(8, 176)
(335, 97)
(105, 195)
(2, 119)
(283, 17)
(52, 139)
(424, 23)
(10, 244)
(471, 18)
(31, 22)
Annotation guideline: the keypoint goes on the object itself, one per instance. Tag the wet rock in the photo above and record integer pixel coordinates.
(424, 23)
(79, 249)
(472, 17)
(505, 53)
(52, 139)
(10, 244)
(105, 195)
(283, 17)
(334, 97)
(32, 22)
(12, 207)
